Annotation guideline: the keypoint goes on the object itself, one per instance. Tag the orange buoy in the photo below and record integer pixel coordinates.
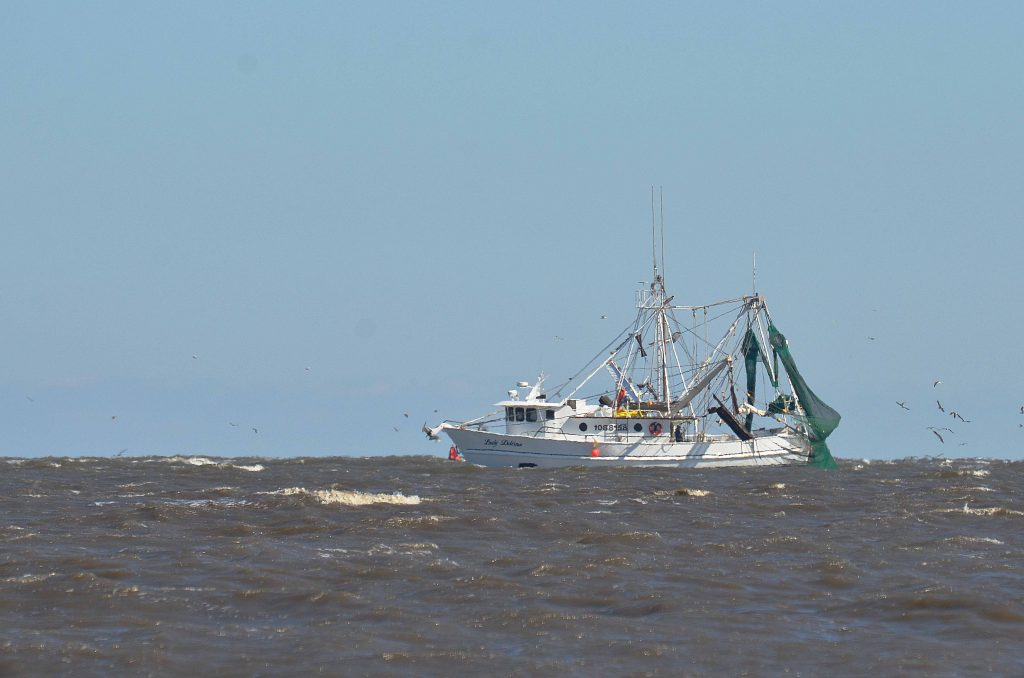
(453, 454)
(595, 452)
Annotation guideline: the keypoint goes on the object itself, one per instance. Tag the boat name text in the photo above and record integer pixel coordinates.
(511, 443)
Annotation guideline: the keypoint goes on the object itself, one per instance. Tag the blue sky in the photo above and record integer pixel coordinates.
(413, 199)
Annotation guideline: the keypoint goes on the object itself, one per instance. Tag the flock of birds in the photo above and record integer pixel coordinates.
(406, 415)
(233, 424)
(956, 416)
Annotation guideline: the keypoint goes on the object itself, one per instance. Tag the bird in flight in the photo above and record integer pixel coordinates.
(31, 400)
(941, 408)
(937, 435)
(231, 423)
(558, 338)
(255, 431)
(121, 452)
(956, 415)
(936, 383)
(1021, 408)
(405, 414)
(938, 428)
(871, 338)
(903, 405)
(195, 357)
(604, 317)
(396, 428)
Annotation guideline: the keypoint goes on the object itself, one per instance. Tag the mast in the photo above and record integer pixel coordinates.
(658, 303)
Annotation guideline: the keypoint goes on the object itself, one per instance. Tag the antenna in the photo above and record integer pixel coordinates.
(654, 240)
(754, 272)
(662, 192)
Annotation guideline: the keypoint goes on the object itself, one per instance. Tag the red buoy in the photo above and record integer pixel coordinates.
(453, 454)
(595, 452)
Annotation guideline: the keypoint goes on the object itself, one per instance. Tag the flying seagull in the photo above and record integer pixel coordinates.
(871, 338)
(121, 452)
(938, 436)
(406, 414)
(1021, 408)
(231, 423)
(941, 408)
(903, 405)
(936, 383)
(943, 428)
(195, 357)
(604, 317)
(396, 428)
(254, 430)
(31, 400)
(956, 415)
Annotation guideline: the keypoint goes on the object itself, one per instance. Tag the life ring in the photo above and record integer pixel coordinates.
(655, 428)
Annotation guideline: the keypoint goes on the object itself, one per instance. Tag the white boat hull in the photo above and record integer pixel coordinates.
(518, 451)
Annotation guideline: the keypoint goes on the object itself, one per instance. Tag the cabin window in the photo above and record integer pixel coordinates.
(519, 414)
(583, 427)
(531, 414)
(510, 413)
(549, 414)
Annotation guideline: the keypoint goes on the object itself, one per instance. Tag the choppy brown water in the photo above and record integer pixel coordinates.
(413, 565)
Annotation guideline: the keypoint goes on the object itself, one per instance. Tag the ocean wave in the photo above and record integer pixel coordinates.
(688, 492)
(349, 497)
(409, 549)
(984, 511)
(973, 540)
(964, 473)
(206, 461)
(29, 578)
(415, 521)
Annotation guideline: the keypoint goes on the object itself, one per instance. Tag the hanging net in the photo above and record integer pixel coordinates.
(819, 418)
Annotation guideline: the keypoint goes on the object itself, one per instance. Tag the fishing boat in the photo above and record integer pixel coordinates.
(669, 396)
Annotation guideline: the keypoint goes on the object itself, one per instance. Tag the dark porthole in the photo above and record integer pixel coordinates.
(638, 428)
(583, 427)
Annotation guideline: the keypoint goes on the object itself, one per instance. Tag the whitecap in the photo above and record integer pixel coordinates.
(350, 497)
(206, 461)
(984, 511)
(29, 578)
(974, 540)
